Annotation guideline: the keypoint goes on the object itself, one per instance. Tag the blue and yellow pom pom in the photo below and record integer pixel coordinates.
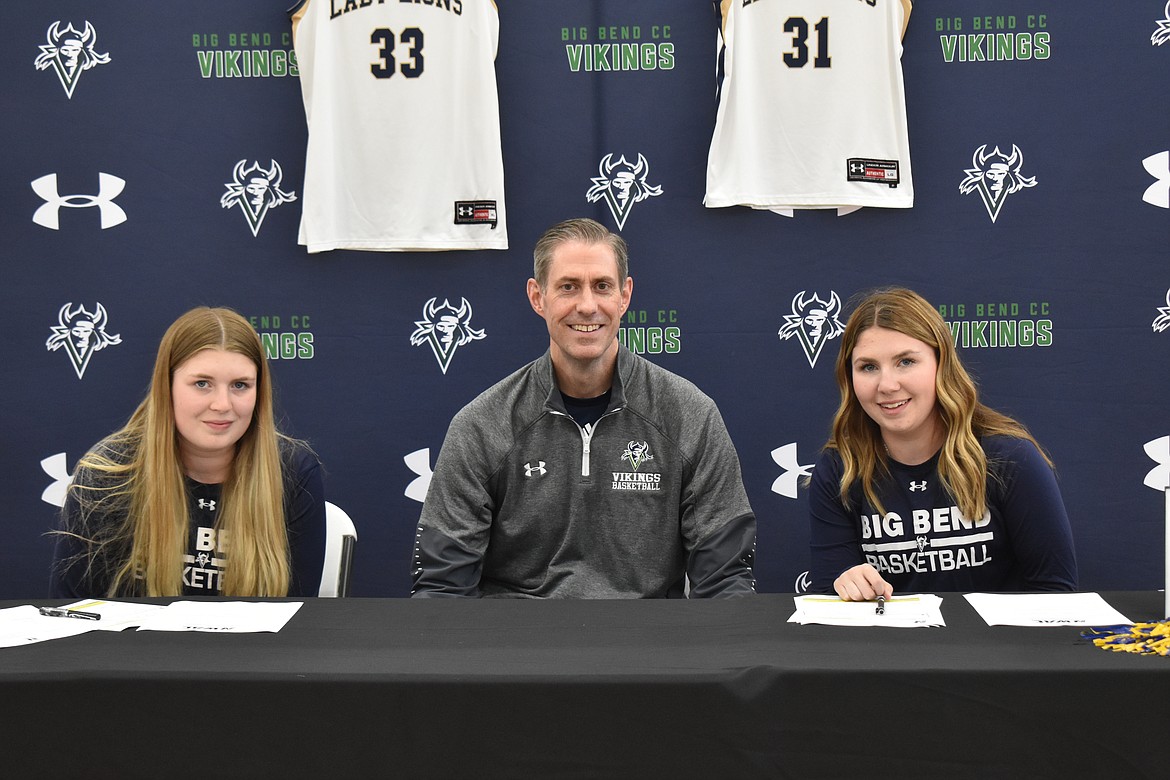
(1140, 638)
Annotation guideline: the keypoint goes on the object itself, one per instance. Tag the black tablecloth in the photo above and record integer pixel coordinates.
(584, 689)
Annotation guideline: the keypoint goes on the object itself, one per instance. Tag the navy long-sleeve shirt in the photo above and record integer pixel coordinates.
(75, 575)
(923, 543)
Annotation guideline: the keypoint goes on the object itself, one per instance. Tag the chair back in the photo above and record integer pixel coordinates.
(340, 540)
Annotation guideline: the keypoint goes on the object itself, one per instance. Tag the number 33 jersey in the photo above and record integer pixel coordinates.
(812, 109)
(404, 125)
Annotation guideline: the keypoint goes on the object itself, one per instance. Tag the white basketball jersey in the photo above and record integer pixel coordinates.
(812, 109)
(404, 125)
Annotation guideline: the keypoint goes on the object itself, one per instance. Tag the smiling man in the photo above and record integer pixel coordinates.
(590, 472)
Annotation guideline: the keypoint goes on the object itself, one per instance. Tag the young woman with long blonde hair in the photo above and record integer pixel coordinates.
(198, 494)
(921, 487)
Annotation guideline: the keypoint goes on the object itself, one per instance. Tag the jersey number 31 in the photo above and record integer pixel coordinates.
(798, 57)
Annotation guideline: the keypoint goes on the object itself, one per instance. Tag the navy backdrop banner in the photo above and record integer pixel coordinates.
(117, 214)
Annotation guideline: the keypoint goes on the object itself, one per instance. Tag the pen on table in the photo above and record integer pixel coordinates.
(73, 613)
(881, 606)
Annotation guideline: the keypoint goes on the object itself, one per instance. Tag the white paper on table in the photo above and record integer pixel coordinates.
(1045, 609)
(116, 615)
(911, 611)
(25, 625)
(225, 617)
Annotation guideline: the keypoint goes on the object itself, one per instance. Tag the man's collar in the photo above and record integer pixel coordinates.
(625, 361)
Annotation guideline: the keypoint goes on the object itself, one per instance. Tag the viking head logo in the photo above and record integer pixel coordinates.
(255, 190)
(446, 329)
(622, 184)
(1162, 34)
(81, 333)
(813, 321)
(69, 52)
(637, 453)
(1162, 321)
(995, 175)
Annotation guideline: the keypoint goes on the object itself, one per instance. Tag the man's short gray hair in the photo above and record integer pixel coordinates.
(586, 231)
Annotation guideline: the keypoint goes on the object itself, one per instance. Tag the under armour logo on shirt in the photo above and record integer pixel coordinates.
(917, 486)
(538, 469)
(208, 504)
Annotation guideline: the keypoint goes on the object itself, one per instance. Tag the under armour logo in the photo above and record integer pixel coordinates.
(57, 468)
(787, 484)
(208, 504)
(856, 167)
(1159, 452)
(538, 469)
(418, 462)
(476, 212)
(49, 214)
(917, 486)
(1158, 193)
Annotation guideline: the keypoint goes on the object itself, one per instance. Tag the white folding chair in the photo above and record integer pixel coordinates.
(340, 539)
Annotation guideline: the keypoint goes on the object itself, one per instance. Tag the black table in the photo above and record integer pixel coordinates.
(532, 689)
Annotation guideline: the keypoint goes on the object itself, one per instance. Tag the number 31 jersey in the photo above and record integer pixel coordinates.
(812, 109)
(404, 125)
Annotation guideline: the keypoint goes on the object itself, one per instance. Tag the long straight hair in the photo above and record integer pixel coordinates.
(962, 463)
(148, 489)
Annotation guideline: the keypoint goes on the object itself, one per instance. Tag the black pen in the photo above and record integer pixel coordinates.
(881, 606)
(73, 613)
